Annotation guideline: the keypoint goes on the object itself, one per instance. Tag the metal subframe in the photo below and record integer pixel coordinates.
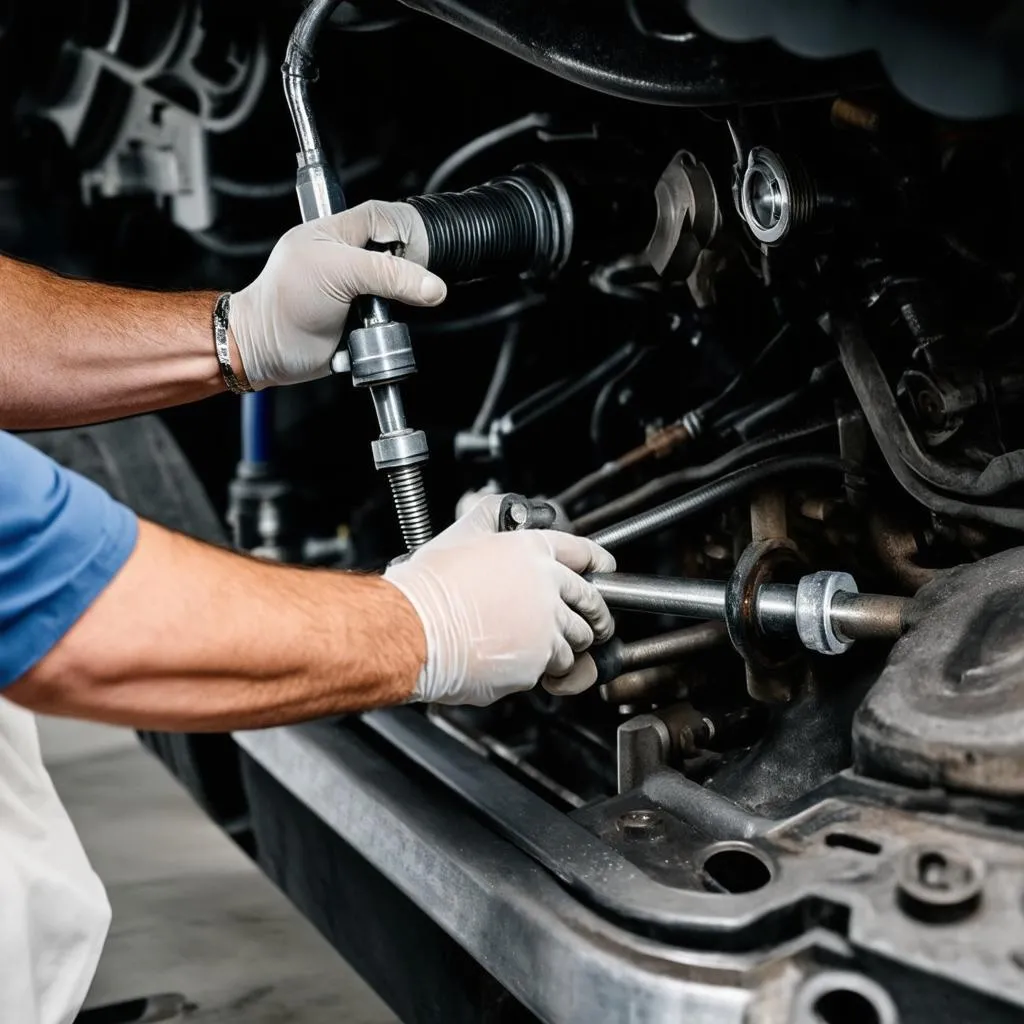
(577, 925)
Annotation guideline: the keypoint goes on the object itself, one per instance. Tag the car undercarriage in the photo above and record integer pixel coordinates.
(736, 291)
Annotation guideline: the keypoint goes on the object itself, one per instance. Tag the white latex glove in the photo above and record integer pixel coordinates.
(288, 322)
(502, 610)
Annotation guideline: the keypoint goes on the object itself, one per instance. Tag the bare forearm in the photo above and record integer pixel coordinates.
(72, 352)
(191, 638)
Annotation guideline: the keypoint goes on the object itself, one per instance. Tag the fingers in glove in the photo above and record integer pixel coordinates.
(581, 677)
(390, 277)
(562, 659)
(480, 521)
(586, 600)
(375, 221)
(578, 553)
(576, 630)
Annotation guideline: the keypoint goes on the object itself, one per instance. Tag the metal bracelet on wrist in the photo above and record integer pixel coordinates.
(221, 320)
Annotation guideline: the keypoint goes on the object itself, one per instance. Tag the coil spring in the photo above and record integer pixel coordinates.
(410, 494)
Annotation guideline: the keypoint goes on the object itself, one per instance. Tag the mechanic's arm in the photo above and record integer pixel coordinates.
(190, 637)
(72, 352)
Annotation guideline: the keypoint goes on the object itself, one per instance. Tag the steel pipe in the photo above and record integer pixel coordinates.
(640, 685)
(616, 658)
(670, 647)
(871, 616)
(854, 616)
(689, 599)
(300, 70)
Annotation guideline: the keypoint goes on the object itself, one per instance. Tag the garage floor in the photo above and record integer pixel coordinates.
(192, 915)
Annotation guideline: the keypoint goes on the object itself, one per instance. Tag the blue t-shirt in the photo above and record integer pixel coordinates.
(62, 540)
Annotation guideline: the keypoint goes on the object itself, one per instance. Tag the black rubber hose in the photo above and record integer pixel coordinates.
(703, 498)
(849, 338)
(879, 403)
(692, 475)
(518, 224)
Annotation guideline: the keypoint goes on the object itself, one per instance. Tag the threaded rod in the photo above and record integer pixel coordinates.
(410, 494)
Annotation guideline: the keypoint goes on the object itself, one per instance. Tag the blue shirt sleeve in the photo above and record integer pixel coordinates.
(62, 540)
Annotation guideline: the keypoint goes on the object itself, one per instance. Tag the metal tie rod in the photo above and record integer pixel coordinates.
(825, 609)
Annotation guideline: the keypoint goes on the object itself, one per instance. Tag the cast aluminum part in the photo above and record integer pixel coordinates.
(379, 353)
(812, 609)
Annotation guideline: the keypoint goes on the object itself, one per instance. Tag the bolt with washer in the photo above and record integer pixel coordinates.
(642, 824)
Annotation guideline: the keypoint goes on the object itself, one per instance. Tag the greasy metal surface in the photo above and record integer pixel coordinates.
(436, 863)
(561, 960)
(643, 684)
(871, 616)
(600, 48)
(616, 657)
(949, 707)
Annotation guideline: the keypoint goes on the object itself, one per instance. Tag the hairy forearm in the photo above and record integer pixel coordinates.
(192, 638)
(73, 352)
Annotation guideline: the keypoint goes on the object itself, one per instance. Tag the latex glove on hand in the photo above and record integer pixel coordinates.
(502, 610)
(288, 322)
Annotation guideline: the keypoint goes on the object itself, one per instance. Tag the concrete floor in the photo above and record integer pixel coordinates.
(192, 915)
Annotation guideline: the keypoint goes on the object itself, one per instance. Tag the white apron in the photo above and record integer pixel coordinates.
(54, 914)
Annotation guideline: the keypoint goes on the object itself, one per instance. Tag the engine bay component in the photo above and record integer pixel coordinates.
(755, 402)
(774, 199)
(615, 659)
(946, 711)
(825, 610)
(380, 353)
(521, 223)
(688, 217)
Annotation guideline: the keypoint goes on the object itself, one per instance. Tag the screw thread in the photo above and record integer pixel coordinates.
(410, 494)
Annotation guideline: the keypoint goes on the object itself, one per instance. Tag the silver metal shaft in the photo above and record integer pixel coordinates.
(871, 616)
(387, 402)
(855, 616)
(689, 599)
